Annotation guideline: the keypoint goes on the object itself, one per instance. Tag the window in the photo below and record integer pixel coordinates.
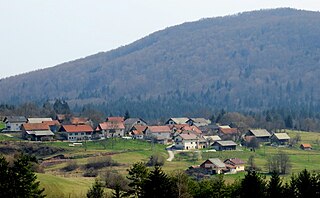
(75, 133)
(82, 133)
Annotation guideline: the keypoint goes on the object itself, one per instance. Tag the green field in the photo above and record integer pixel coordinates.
(126, 152)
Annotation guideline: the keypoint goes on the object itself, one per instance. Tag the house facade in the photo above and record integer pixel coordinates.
(280, 138)
(214, 165)
(235, 163)
(111, 129)
(130, 122)
(262, 135)
(160, 133)
(186, 141)
(14, 123)
(36, 132)
(224, 145)
(77, 132)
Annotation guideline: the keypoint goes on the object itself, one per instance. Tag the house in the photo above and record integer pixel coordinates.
(211, 129)
(198, 122)
(224, 145)
(38, 120)
(306, 146)
(115, 119)
(14, 123)
(228, 133)
(186, 141)
(158, 132)
(280, 138)
(54, 125)
(235, 164)
(214, 166)
(80, 121)
(262, 135)
(130, 122)
(111, 129)
(36, 132)
(172, 121)
(211, 138)
(138, 131)
(77, 132)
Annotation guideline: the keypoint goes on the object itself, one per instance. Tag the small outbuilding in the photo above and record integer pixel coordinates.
(224, 145)
(214, 165)
(280, 138)
(306, 146)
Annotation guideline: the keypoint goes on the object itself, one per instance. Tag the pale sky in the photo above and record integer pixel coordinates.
(37, 34)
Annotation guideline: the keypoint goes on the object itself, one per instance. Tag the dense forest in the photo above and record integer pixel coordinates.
(258, 61)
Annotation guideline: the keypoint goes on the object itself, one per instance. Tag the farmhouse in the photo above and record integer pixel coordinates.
(130, 122)
(38, 120)
(172, 121)
(14, 123)
(211, 139)
(115, 119)
(280, 138)
(77, 132)
(111, 129)
(54, 125)
(224, 145)
(160, 133)
(36, 132)
(80, 121)
(228, 133)
(138, 131)
(198, 122)
(186, 141)
(262, 135)
(235, 164)
(214, 165)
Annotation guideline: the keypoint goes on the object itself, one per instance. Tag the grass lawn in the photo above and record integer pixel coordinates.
(2, 125)
(127, 152)
(60, 187)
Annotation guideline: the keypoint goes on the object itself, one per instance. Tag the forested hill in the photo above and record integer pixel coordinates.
(249, 61)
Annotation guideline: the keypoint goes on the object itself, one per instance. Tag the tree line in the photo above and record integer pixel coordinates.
(155, 183)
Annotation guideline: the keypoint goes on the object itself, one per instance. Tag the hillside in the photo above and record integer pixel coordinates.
(249, 61)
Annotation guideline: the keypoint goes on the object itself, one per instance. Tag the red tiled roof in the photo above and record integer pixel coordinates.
(35, 126)
(51, 123)
(78, 120)
(111, 125)
(159, 129)
(115, 119)
(177, 126)
(140, 128)
(77, 128)
(188, 136)
(234, 161)
(229, 131)
(306, 145)
(192, 128)
(135, 132)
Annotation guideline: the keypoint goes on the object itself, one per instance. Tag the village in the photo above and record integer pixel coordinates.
(179, 134)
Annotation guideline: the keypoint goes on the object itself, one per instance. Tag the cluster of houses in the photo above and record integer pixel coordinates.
(183, 133)
(216, 166)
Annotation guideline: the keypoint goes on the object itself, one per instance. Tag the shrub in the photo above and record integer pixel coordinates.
(156, 160)
(71, 165)
(100, 162)
(91, 172)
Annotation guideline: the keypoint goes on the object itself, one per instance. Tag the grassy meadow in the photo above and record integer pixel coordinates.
(58, 183)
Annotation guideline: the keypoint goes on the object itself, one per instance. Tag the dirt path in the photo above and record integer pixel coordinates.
(171, 155)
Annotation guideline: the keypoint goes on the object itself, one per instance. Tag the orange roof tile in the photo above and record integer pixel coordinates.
(159, 129)
(51, 123)
(115, 119)
(78, 120)
(77, 128)
(35, 126)
(140, 128)
(306, 145)
(229, 131)
(111, 125)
